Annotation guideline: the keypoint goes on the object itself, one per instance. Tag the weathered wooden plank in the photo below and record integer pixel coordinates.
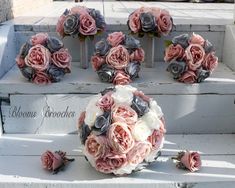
(27, 171)
(42, 114)
(25, 144)
(152, 81)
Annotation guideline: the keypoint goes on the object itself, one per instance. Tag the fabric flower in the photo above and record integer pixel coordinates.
(38, 58)
(188, 160)
(60, 23)
(134, 21)
(152, 120)
(41, 78)
(121, 78)
(102, 47)
(174, 52)
(210, 62)
(155, 108)
(27, 72)
(208, 47)
(141, 95)
(106, 73)
(133, 69)
(102, 123)
(188, 77)
(141, 131)
(137, 55)
(139, 105)
(39, 38)
(87, 25)
(24, 50)
(197, 39)
(99, 19)
(20, 61)
(131, 43)
(106, 101)
(96, 62)
(120, 138)
(62, 58)
(156, 139)
(55, 73)
(124, 113)
(202, 75)
(182, 40)
(81, 119)
(147, 21)
(71, 24)
(177, 68)
(85, 131)
(118, 57)
(195, 55)
(164, 22)
(122, 95)
(115, 38)
(54, 44)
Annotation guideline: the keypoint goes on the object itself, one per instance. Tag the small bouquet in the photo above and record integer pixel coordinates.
(44, 59)
(117, 59)
(122, 130)
(153, 21)
(80, 21)
(192, 58)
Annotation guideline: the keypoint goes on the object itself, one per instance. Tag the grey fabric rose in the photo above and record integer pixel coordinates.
(84, 133)
(99, 19)
(102, 47)
(140, 106)
(177, 68)
(148, 22)
(66, 12)
(24, 50)
(181, 40)
(56, 74)
(102, 123)
(27, 72)
(131, 43)
(133, 69)
(54, 44)
(106, 90)
(106, 73)
(202, 75)
(71, 24)
(208, 46)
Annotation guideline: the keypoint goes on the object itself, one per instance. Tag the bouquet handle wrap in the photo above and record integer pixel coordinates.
(149, 49)
(84, 54)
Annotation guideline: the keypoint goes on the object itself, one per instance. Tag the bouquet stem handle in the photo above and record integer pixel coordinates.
(84, 62)
(149, 51)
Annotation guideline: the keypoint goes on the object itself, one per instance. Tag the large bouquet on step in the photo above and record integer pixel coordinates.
(122, 130)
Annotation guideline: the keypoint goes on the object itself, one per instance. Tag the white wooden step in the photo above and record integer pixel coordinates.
(21, 167)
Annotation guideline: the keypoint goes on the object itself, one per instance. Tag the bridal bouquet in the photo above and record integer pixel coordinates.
(44, 59)
(80, 21)
(122, 130)
(192, 58)
(153, 21)
(117, 59)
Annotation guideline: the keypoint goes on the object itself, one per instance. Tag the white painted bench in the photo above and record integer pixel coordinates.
(199, 117)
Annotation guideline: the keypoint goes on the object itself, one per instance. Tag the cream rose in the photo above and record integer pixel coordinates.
(141, 131)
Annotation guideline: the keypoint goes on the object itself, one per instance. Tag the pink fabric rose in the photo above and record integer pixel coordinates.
(173, 52)
(97, 146)
(137, 55)
(142, 95)
(96, 62)
(210, 62)
(51, 161)
(196, 39)
(81, 119)
(138, 153)
(121, 78)
(38, 58)
(106, 101)
(41, 78)
(87, 25)
(20, 62)
(164, 22)
(60, 25)
(62, 59)
(155, 12)
(118, 57)
(115, 38)
(156, 139)
(195, 56)
(39, 38)
(120, 138)
(124, 113)
(134, 21)
(110, 163)
(79, 10)
(191, 160)
(188, 77)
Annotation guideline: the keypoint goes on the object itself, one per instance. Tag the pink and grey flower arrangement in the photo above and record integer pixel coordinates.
(188, 160)
(80, 21)
(117, 59)
(150, 20)
(122, 130)
(192, 58)
(43, 59)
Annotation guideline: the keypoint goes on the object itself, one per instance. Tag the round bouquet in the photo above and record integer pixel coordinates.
(117, 59)
(192, 58)
(122, 130)
(153, 21)
(80, 21)
(44, 59)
